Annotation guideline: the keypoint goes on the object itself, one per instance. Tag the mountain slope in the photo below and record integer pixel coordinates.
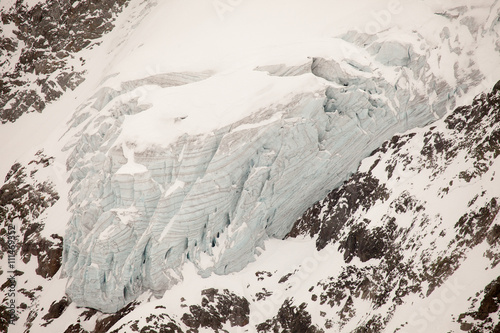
(422, 207)
(184, 159)
(40, 50)
(387, 251)
(412, 254)
(160, 178)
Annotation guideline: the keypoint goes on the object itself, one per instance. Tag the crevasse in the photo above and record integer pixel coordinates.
(212, 199)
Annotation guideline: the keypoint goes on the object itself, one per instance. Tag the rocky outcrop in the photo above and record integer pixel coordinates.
(56, 309)
(24, 197)
(417, 244)
(484, 312)
(218, 311)
(360, 192)
(290, 318)
(38, 46)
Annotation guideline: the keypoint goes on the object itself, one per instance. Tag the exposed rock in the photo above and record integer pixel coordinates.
(161, 323)
(359, 192)
(23, 197)
(103, 325)
(366, 244)
(484, 318)
(46, 36)
(75, 328)
(290, 319)
(217, 312)
(216, 309)
(56, 309)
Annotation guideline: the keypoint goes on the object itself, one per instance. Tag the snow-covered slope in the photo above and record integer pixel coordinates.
(203, 167)
(191, 148)
(208, 194)
(421, 213)
(409, 243)
(42, 44)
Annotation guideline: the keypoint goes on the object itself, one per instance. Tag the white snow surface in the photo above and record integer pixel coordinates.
(192, 107)
(179, 148)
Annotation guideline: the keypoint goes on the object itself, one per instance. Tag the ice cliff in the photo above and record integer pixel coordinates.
(192, 149)
(142, 208)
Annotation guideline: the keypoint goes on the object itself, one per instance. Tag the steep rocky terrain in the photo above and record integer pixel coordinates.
(418, 233)
(167, 200)
(24, 198)
(394, 252)
(39, 48)
(146, 201)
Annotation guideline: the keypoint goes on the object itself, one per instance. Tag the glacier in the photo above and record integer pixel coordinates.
(194, 139)
(143, 208)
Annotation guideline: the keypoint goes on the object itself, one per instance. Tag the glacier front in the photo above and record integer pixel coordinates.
(202, 167)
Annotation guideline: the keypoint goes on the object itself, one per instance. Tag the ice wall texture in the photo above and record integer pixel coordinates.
(211, 199)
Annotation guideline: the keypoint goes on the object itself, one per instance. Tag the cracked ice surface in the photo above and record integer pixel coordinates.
(212, 193)
(203, 167)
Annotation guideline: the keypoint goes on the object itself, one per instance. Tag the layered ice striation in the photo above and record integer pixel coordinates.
(140, 212)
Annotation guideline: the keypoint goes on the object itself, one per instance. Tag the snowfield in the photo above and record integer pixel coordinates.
(283, 166)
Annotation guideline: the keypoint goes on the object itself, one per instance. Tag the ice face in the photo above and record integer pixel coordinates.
(141, 209)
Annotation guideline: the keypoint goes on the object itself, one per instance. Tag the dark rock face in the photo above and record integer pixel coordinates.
(482, 318)
(365, 244)
(405, 264)
(104, 324)
(216, 309)
(56, 309)
(473, 228)
(359, 192)
(161, 323)
(155, 322)
(290, 319)
(75, 328)
(5, 318)
(47, 36)
(24, 198)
